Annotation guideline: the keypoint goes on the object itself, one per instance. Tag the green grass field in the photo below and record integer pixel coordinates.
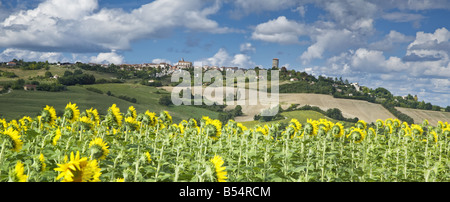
(21, 103)
(301, 116)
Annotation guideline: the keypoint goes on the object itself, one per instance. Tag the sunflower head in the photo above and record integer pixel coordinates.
(213, 128)
(311, 128)
(148, 157)
(131, 112)
(17, 175)
(416, 130)
(86, 123)
(92, 114)
(361, 124)
(446, 131)
(48, 115)
(99, 149)
(372, 132)
(132, 123)
(71, 112)
(149, 118)
(114, 117)
(78, 169)
(296, 125)
(11, 139)
(357, 135)
(56, 137)
(379, 123)
(166, 118)
(337, 130)
(220, 172)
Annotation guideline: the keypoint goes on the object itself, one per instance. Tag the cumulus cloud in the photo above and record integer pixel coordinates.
(81, 26)
(223, 58)
(107, 58)
(391, 40)
(12, 53)
(280, 30)
(247, 48)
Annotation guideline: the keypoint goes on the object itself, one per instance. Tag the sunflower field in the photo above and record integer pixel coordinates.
(127, 146)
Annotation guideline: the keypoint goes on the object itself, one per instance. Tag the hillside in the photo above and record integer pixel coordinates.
(19, 103)
(420, 115)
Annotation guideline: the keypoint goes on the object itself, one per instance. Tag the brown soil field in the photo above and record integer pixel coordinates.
(420, 115)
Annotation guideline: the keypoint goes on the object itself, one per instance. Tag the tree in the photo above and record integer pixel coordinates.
(447, 109)
(48, 74)
(165, 100)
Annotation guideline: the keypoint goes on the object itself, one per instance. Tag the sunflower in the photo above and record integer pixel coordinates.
(407, 133)
(379, 123)
(166, 118)
(14, 125)
(361, 124)
(337, 130)
(212, 127)
(131, 112)
(397, 123)
(371, 132)
(446, 131)
(78, 169)
(435, 136)
(42, 164)
(425, 122)
(17, 175)
(357, 134)
(296, 124)
(389, 121)
(388, 128)
(405, 125)
(93, 115)
(25, 122)
(71, 112)
(311, 128)
(48, 115)
(11, 139)
(150, 118)
(114, 115)
(99, 149)
(148, 156)
(132, 123)
(86, 123)
(241, 127)
(57, 136)
(416, 130)
(262, 130)
(219, 169)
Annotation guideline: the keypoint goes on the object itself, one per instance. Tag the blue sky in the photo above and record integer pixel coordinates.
(401, 45)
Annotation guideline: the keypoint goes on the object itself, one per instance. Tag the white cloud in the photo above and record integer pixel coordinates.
(390, 40)
(280, 30)
(159, 60)
(12, 53)
(80, 26)
(223, 58)
(243, 61)
(328, 40)
(247, 48)
(107, 58)
(245, 7)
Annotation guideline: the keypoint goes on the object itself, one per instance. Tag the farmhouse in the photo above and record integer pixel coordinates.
(10, 64)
